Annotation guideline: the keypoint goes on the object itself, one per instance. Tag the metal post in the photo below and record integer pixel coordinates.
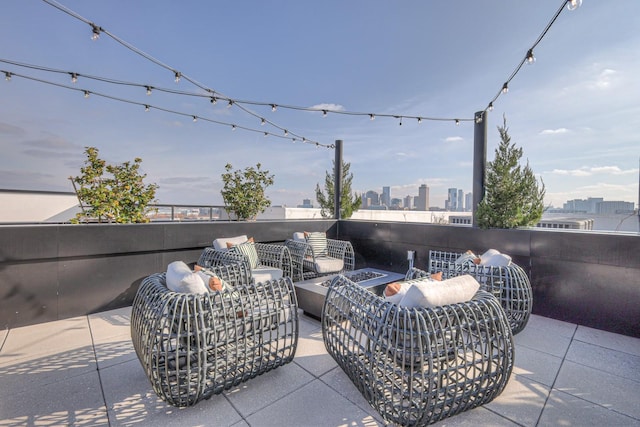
(479, 160)
(337, 180)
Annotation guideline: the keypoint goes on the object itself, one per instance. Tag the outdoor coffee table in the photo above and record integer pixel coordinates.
(311, 292)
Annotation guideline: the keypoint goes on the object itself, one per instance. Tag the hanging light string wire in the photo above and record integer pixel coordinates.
(97, 30)
(529, 55)
(9, 74)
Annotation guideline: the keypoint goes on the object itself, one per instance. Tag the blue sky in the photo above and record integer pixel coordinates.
(575, 111)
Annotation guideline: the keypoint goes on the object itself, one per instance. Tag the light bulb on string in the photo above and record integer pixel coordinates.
(262, 122)
(505, 88)
(274, 107)
(233, 127)
(230, 104)
(195, 119)
(491, 106)
(178, 76)
(148, 90)
(324, 113)
(214, 100)
(419, 120)
(7, 76)
(74, 78)
(530, 58)
(266, 134)
(457, 122)
(372, 116)
(286, 132)
(573, 4)
(146, 108)
(95, 32)
(86, 93)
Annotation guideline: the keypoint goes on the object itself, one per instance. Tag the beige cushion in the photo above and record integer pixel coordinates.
(221, 243)
(262, 274)
(429, 294)
(181, 279)
(494, 258)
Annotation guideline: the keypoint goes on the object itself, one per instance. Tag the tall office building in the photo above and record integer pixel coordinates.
(460, 200)
(386, 196)
(451, 203)
(422, 203)
(408, 202)
(372, 198)
(468, 202)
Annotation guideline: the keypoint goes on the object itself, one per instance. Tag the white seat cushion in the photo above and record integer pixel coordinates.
(221, 243)
(181, 279)
(262, 274)
(326, 265)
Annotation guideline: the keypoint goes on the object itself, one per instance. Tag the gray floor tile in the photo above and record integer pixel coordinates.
(521, 401)
(312, 355)
(536, 365)
(546, 335)
(604, 359)
(110, 323)
(46, 339)
(257, 393)
(132, 401)
(76, 401)
(313, 405)
(563, 409)
(3, 335)
(18, 375)
(480, 416)
(114, 350)
(611, 391)
(610, 340)
(340, 383)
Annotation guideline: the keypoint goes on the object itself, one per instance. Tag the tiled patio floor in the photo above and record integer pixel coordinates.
(84, 372)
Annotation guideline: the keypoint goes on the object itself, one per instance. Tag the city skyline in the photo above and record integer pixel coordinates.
(573, 112)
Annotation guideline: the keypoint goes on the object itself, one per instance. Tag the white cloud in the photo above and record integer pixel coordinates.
(597, 170)
(554, 131)
(329, 107)
(605, 78)
(454, 139)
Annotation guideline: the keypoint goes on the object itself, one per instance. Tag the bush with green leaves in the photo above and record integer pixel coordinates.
(512, 197)
(244, 191)
(112, 193)
(349, 203)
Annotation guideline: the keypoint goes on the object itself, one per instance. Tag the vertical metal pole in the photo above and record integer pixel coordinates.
(479, 160)
(337, 180)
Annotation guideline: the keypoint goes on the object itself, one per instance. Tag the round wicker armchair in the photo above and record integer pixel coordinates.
(416, 366)
(193, 346)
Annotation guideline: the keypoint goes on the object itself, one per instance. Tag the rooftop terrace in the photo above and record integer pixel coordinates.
(83, 371)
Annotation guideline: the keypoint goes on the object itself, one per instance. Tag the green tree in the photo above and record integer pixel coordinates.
(244, 191)
(112, 193)
(513, 197)
(349, 202)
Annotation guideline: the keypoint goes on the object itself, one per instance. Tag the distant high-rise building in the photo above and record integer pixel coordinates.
(422, 202)
(372, 198)
(452, 200)
(408, 202)
(396, 203)
(587, 206)
(460, 200)
(306, 203)
(614, 207)
(386, 196)
(468, 202)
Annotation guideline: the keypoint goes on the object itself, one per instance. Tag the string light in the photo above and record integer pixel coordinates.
(230, 104)
(195, 119)
(86, 93)
(148, 90)
(95, 32)
(178, 76)
(214, 100)
(74, 78)
(262, 122)
(233, 127)
(286, 132)
(7, 76)
(274, 107)
(372, 116)
(146, 108)
(324, 113)
(573, 4)
(457, 122)
(419, 120)
(491, 106)
(530, 58)
(505, 88)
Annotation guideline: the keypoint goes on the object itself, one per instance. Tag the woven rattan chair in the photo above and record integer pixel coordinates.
(270, 256)
(510, 284)
(307, 264)
(416, 366)
(194, 346)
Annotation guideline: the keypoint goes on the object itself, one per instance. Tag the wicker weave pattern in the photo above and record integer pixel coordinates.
(304, 259)
(418, 366)
(510, 284)
(238, 271)
(194, 346)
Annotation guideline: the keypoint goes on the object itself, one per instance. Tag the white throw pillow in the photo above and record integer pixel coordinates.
(298, 236)
(181, 279)
(497, 260)
(487, 255)
(431, 294)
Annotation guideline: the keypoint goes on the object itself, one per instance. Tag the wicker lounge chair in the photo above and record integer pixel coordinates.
(274, 261)
(194, 346)
(510, 284)
(416, 366)
(309, 263)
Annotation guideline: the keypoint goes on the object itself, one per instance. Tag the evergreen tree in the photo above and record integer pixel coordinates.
(348, 202)
(512, 197)
(244, 191)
